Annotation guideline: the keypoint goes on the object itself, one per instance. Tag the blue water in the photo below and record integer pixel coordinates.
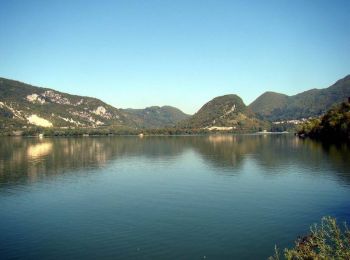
(212, 197)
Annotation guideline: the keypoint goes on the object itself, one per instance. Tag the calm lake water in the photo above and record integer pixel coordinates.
(213, 197)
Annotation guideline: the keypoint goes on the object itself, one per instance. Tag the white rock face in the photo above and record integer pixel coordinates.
(100, 111)
(1, 104)
(70, 120)
(87, 116)
(35, 98)
(233, 108)
(56, 98)
(39, 121)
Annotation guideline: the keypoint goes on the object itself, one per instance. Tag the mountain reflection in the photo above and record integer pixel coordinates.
(29, 159)
(39, 150)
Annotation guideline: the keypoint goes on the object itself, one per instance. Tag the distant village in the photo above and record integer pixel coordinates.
(294, 121)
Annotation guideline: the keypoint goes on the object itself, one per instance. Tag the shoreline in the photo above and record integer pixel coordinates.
(146, 135)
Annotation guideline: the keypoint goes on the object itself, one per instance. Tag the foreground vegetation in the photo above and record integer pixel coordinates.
(325, 241)
(333, 126)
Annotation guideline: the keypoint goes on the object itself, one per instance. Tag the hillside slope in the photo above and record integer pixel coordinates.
(156, 117)
(23, 105)
(29, 105)
(274, 106)
(226, 111)
(269, 103)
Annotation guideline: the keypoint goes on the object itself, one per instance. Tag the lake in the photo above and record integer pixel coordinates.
(189, 197)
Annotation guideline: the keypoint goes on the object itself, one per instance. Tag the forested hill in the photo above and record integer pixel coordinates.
(315, 102)
(226, 112)
(156, 117)
(24, 105)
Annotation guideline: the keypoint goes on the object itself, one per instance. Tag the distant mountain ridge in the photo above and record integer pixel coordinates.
(314, 102)
(23, 105)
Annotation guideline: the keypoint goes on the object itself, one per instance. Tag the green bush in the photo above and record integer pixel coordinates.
(325, 241)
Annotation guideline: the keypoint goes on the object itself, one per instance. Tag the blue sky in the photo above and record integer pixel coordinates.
(180, 53)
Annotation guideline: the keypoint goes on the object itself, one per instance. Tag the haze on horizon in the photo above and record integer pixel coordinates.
(179, 53)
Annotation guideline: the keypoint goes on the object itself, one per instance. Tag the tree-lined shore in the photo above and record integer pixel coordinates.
(333, 126)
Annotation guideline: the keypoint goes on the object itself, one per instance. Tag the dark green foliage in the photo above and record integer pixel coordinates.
(275, 107)
(325, 241)
(333, 126)
(268, 104)
(6, 113)
(283, 127)
(100, 131)
(156, 117)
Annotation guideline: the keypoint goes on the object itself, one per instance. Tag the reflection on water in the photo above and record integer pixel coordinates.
(219, 139)
(39, 150)
(219, 196)
(27, 158)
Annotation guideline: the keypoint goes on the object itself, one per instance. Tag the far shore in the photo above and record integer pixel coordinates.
(141, 135)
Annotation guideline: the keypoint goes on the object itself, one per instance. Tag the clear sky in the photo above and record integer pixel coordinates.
(180, 53)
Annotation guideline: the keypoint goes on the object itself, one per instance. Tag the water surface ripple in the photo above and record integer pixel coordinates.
(214, 197)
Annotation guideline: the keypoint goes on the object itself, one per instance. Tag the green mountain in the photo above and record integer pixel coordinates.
(224, 113)
(23, 105)
(156, 117)
(268, 103)
(274, 106)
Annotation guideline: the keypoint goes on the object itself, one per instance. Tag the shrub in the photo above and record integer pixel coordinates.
(325, 241)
